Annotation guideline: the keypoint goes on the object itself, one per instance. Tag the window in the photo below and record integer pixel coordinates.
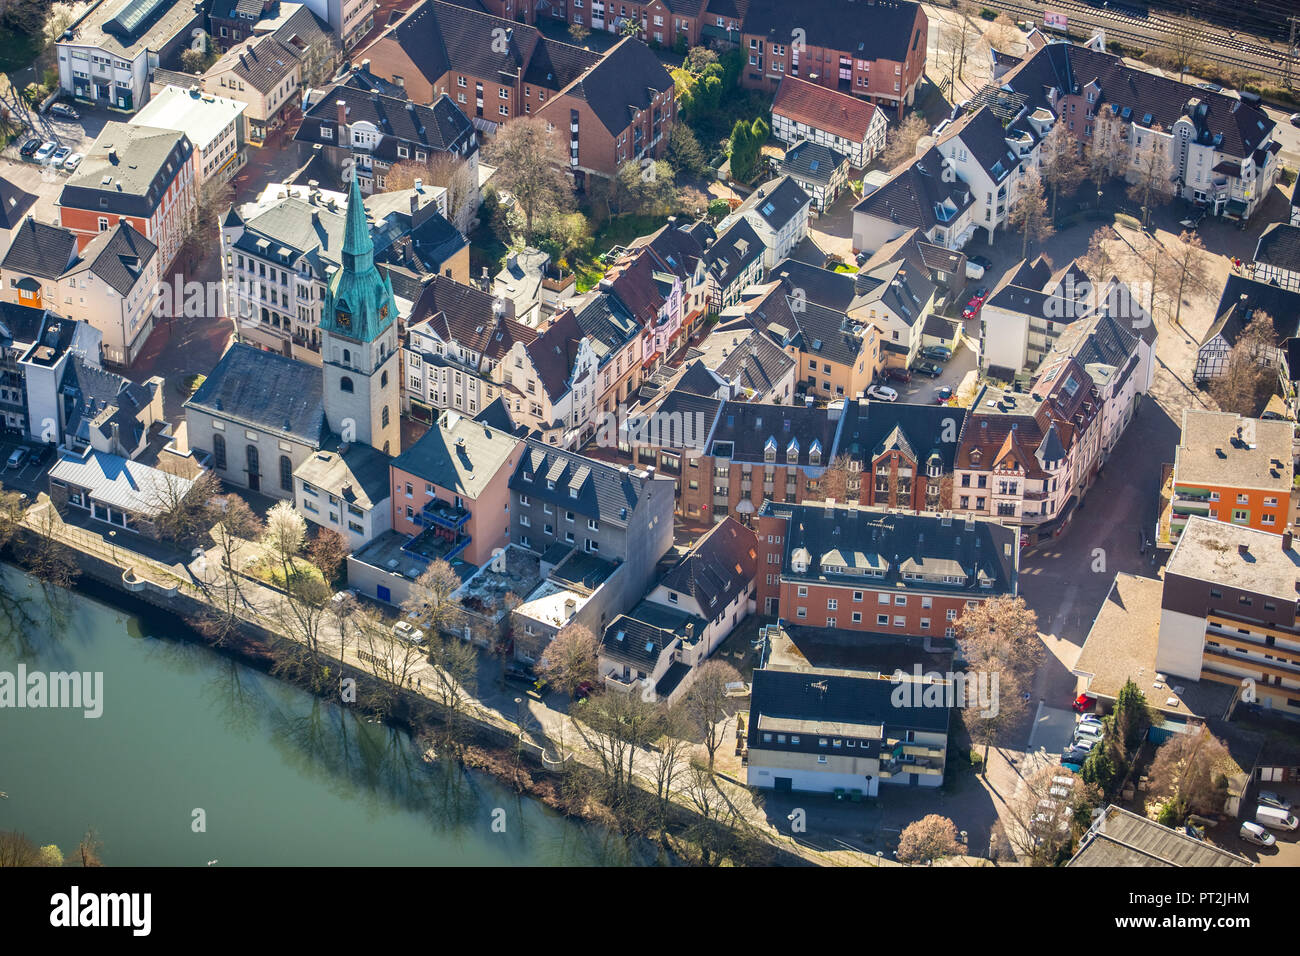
(900, 600)
(832, 604)
(803, 591)
(286, 473)
(883, 598)
(345, 384)
(219, 451)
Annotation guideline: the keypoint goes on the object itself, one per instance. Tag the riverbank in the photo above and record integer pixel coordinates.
(481, 740)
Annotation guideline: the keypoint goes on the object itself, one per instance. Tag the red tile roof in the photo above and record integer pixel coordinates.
(823, 108)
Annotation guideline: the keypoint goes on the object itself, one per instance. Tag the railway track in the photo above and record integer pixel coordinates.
(1081, 13)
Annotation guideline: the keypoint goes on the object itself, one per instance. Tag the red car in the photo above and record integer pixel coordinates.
(972, 308)
(584, 690)
(1084, 703)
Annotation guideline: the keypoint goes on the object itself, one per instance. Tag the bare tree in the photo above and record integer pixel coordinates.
(1186, 271)
(320, 60)
(901, 140)
(999, 638)
(1190, 775)
(615, 726)
(715, 833)
(455, 175)
(1062, 168)
(1098, 160)
(301, 614)
(184, 507)
(16, 849)
(842, 480)
(390, 660)
(570, 659)
(1184, 41)
(706, 702)
(1003, 35)
(48, 559)
(1098, 261)
(235, 526)
(1041, 819)
(529, 158)
(670, 753)
(328, 550)
(201, 230)
(432, 604)
(930, 838)
(455, 667)
(1029, 214)
(1249, 377)
(12, 508)
(89, 847)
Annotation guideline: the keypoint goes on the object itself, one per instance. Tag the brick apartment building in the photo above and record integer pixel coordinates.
(877, 571)
(874, 49)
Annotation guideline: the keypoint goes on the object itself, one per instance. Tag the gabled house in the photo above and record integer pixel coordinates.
(1030, 307)
(615, 338)
(111, 284)
(821, 172)
(746, 363)
(1241, 301)
(345, 490)
(454, 354)
(810, 111)
(554, 382)
(917, 196)
(733, 262)
(655, 298)
(1277, 256)
(679, 248)
(779, 212)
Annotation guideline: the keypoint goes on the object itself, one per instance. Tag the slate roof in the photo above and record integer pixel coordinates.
(812, 162)
(896, 287)
(461, 455)
(440, 37)
(40, 249)
(639, 637)
(864, 30)
(822, 108)
(827, 334)
(834, 290)
(624, 81)
(980, 548)
(1063, 66)
(441, 127)
(698, 379)
(753, 358)
(119, 256)
(1242, 297)
(1279, 246)
(915, 192)
(776, 203)
(266, 391)
(928, 429)
(719, 567)
(982, 133)
(733, 252)
(675, 249)
(606, 492)
(466, 315)
(607, 325)
(747, 427)
(14, 203)
(554, 351)
(359, 476)
(130, 166)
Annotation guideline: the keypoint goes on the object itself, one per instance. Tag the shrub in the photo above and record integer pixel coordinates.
(718, 208)
(987, 14)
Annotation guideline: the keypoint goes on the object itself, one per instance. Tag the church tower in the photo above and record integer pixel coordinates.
(359, 342)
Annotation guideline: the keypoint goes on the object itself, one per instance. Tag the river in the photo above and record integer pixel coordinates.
(197, 757)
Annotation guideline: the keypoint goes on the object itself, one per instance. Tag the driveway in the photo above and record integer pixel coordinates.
(833, 229)
(1053, 729)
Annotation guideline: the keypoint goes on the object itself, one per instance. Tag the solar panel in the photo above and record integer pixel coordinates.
(135, 13)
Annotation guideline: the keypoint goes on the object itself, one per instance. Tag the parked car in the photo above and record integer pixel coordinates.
(1075, 756)
(882, 392)
(1275, 819)
(898, 374)
(931, 369)
(29, 147)
(972, 308)
(59, 155)
(17, 457)
(584, 690)
(1084, 703)
(1254, 833)
(1082, 735)
(1268, 798)
(341, 596)
(46, 150)
(64, 110)
(974, 270)
(73, 161)
(940, 353)
(982, 261)
(943, 394)
(982, 293)
(408, 632)
(1090, 720)
(1295, 119)
(1212, 87)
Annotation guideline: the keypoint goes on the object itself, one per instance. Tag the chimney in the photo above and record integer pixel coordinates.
(365, 65)
(343, 113)
(415, 201)
(419, 185)
(1286, 539)
(1243, 550)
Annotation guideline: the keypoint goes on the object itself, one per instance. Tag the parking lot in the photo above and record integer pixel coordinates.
(30, 477)
(44, 180)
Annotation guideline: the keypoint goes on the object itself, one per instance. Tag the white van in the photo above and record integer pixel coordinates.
(1276, 819)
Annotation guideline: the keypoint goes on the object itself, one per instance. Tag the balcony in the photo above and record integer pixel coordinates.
(434, 543)
(440, 514)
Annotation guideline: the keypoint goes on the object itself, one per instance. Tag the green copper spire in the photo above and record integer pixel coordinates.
(358, 248)
(359, 301)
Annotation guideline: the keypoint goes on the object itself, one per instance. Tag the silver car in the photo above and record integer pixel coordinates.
(1270, 799)
(1254, 833)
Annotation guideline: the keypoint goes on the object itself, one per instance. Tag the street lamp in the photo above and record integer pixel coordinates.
(112, 543)
(519, 736)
